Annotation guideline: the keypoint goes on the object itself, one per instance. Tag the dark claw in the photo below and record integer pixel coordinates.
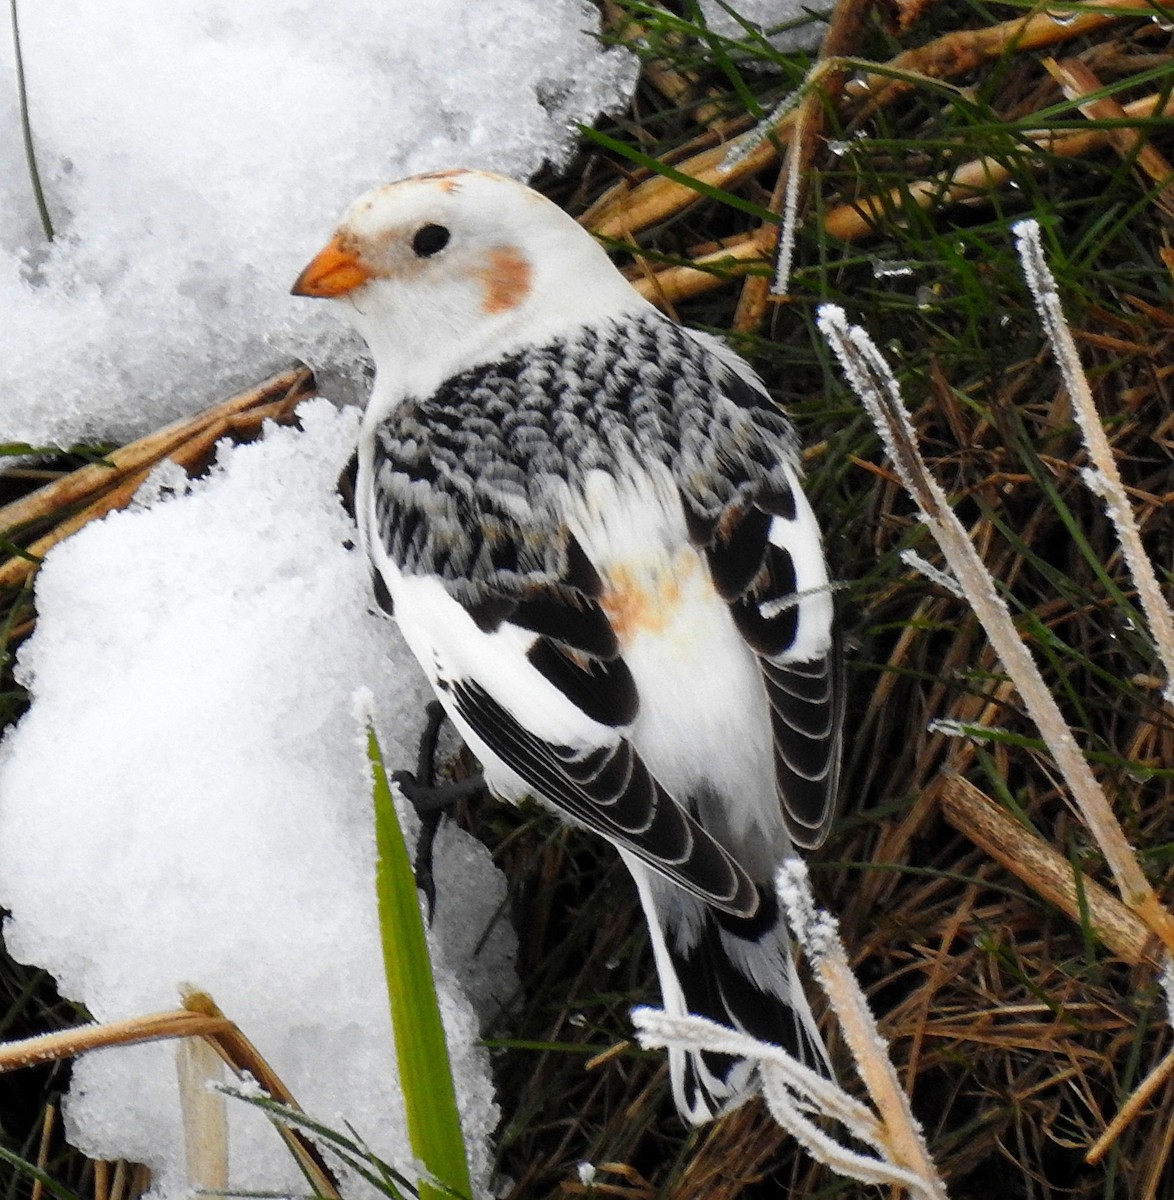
(430, 803)
(436, 797)
(430, 800)
(422, 863)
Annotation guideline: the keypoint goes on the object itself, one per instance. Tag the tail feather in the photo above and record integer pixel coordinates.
(742, 978)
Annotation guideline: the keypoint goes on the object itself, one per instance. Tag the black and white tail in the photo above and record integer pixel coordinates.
(736, 972)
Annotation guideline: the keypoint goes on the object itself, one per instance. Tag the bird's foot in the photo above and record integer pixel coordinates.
(431, 800)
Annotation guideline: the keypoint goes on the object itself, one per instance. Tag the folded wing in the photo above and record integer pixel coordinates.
(538, 681)
(765, 555)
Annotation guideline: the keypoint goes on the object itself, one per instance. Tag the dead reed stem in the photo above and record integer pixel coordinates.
(1078, 81)
(200, 1017)
(82, 484)
(111, 484)
(977, 177)
(1129, 1111)
(1046, 872)
(624, 210)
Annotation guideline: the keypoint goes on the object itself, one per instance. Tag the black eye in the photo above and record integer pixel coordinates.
(429, 240)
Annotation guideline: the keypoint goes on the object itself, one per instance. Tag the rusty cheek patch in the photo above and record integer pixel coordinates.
(505, 279)
(646, 602)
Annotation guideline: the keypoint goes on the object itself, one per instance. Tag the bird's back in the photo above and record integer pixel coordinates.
(495, 446)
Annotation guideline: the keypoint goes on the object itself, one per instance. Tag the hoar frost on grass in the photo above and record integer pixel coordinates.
(795, 1094)
(1102, 478)
(943, 579)
(193, 155)
(874, 383)
(871, 378)
(188, 802)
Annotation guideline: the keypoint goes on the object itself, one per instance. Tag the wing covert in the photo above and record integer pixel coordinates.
(534, 676)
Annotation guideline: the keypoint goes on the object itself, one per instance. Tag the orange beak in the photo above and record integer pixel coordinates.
(333, 272)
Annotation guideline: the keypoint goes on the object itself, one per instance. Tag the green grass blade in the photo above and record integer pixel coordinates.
(26, 127)
(48, 1184)
(434, 1126)
(350, 1151)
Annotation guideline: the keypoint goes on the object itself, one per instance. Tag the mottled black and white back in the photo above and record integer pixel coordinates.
(590, 526)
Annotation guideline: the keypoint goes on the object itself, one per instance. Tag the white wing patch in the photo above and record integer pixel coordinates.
(799, 537)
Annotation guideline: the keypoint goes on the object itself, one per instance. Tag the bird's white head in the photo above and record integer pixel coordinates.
(441, 271)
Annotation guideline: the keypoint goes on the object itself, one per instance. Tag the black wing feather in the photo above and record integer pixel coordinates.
(604, 690)
(735, 560)
(806, 701)
(611, 791)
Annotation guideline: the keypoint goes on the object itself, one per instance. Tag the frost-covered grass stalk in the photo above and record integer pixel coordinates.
(1102, 478)
(798, 103)
(786, 252)
(795, 1094)
(872, 380)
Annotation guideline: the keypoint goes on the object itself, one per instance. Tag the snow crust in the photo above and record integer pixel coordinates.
(188, 801)
(768, 16)
(194, 156)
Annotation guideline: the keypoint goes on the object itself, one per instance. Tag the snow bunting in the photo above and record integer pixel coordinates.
(589, 524)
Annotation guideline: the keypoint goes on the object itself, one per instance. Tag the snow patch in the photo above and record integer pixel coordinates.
(187, 801)
(193, 155)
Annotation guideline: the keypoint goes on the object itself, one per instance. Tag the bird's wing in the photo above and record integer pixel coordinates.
(535, 680)
(767, 563)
